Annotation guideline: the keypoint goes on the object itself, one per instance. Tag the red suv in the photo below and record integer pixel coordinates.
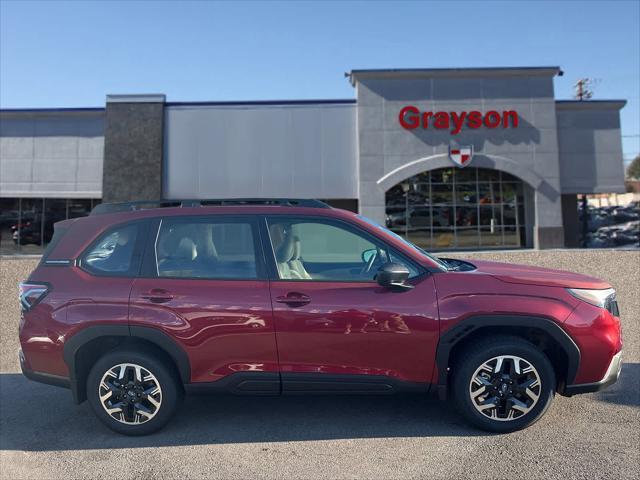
(139, 302)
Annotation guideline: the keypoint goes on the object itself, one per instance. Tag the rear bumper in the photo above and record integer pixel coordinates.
(611, 377)
(42, 377)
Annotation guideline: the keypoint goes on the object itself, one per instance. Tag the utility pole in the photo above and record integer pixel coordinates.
(585, 222)
(582, 89)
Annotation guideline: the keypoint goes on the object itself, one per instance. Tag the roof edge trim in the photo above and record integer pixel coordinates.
(354, 75)
(590, 104)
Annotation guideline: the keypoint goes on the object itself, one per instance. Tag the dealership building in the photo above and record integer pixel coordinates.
(468, 158)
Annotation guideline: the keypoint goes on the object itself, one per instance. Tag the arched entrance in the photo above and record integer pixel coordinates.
(452, 208)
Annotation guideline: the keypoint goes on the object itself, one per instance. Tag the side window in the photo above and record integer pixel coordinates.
(316, 250)
(113, 253)
(205, 249)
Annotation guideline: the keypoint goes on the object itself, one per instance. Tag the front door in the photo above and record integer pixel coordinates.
(204, 284)
(336, 328)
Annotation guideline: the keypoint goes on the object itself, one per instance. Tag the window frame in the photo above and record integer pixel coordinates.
(270, 257)
(136, 258)
(149, 265)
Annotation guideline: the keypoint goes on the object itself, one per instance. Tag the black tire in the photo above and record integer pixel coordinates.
(164, 373)
(480, 352)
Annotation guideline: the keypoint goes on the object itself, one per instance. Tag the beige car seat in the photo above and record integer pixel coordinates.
(176, 253)
(290, 266)
(295, 264)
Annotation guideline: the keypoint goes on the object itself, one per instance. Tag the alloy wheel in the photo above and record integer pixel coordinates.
(130, 393)
(505, 388)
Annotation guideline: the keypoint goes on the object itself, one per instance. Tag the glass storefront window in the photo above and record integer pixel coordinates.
(29, 231)
(442, 194)
(490, 237)
(443, 239)
(512, 236)
(490, 215)
(420, 216)
(507, 177)
(442, 217)
(442, 175)
(510, 192)
(55, 209)
(80, 207)
(26, 224)
(486, 175)
(421, 236)
(467, 175)
(9, 218)
(466, 216)
(466, 194)
(509, 215)
(467, 237)
(458, 208)
(488, 192)
(419, 195)
(422, 177)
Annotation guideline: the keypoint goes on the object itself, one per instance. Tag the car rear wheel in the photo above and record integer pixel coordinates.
(133, 392)
(503, 384)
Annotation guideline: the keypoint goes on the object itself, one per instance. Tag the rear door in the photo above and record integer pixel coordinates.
(204, 284)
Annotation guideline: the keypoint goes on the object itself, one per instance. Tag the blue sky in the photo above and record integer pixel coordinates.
(63, 54)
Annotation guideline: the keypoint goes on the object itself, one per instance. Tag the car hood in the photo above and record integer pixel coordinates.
(525, 274)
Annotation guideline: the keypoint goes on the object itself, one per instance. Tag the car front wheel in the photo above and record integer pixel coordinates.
(503, 384)
(133, 392)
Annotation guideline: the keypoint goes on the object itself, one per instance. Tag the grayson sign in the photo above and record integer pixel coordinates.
(411, 117)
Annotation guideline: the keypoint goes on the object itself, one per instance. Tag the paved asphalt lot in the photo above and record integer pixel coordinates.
(44, 435)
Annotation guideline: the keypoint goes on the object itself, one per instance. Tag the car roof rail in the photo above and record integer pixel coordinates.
(152, 204)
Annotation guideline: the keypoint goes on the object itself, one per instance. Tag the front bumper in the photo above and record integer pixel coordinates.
(611, 377)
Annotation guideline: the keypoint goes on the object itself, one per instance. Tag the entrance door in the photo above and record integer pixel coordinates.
(336, 328)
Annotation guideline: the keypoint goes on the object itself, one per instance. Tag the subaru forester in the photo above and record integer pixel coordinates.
(140, 302)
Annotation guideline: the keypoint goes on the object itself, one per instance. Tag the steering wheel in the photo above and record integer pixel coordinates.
(367, 268)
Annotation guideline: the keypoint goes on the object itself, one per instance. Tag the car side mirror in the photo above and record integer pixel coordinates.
(394, 276)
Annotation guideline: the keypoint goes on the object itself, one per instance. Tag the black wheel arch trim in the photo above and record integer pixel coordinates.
(469, 325)
(150, 334)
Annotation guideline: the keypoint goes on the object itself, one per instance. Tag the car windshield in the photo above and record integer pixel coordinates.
(417, 249)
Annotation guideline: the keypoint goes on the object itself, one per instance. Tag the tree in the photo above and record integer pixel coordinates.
(633, 170)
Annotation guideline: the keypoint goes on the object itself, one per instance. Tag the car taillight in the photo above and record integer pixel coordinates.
(31, 293)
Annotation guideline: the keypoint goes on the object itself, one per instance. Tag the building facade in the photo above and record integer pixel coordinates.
(449, 158)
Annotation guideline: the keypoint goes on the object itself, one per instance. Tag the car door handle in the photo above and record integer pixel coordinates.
(294, 299)
(158, 295)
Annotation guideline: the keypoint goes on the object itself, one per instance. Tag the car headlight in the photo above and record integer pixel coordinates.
(599, 298)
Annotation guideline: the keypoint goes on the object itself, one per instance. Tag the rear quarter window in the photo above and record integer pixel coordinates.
(115, 253)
